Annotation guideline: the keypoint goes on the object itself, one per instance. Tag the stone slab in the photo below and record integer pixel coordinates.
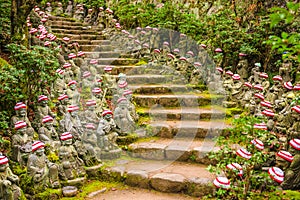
(151, 151)
(168, 182)
(138, 178)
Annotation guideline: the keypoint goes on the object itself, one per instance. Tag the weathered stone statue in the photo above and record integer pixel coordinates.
(122, 84)
(282, 121)
(69, 9)
(79, 13)
(43, 172)
(254, 78)
(294, 130)
(73, 94)
(88, 81)
(62, 105)
(48, 8)
(109, 81)
(21, 115)
(90, 142)
(122, 117)
(72, 123)
(43, 110)
(235, 88)
(48, 134)
(9, 189)
(100, 101)
(21, 143)
(264, 82)
(59, 85)
(88, 18)
(89, 116)
(107, 132)
(59, 9)
(218, 58)
(71, 165)
(242, 67)
(285, 70)
(100, 19)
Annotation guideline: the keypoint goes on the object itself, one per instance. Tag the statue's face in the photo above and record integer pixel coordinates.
(3, 167)
(73, 86)
(22, 131)
(68, 142)
(44, 103)
(40, 151)
(128, 97)
(91, 108)
(108, 117)
(48, 124)
(74, 113)
(123, 104)
(22, 112)
(281, 163)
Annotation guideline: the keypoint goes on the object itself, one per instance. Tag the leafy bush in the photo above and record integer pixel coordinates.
(4, 22)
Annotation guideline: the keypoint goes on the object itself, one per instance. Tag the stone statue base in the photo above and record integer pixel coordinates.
(113, 154)
(94, 171)
(229, 104)
(74, 182)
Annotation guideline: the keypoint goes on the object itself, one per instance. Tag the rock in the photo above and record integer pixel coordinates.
(92, 194)
(69, 191)
(137, 178)
(200, 187)
(166, 182)
(93, 172)
(175, 152)
(148, 151)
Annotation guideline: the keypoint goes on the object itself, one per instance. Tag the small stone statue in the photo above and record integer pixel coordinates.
(107, 132)
(242, 67)
(59, 85)
(62, 105)
(285, 70)
(131, 107)
(69, 9)
(59, 10)
(122, 84)
(87, 84)
(79, 13)
(48, 134)
(89, 116)
(73, 94)
(88, 18)
(9, 189)
(71, 165)
(43, 172)
(43, 110)
(48, 8)
(264, 81)
(235, 88)
(90, 142)
(123, 118)
(218, 57)
(254, 78)
(100, 100)
(72, 123)
(100, 18)
(109, 81)
(21, 143)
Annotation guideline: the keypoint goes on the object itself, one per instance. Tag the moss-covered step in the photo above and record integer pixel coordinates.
(115, 69)
(143, 79)
(74, 27)
(65, 23)
(80, 36)
(190, 113)
(176, 100)
(89, 42)
(111, 61)
(163, 175)
(57, 18)
(102, 54)
(70, 31)
(180, 149)
(186, 128)
(160, 89)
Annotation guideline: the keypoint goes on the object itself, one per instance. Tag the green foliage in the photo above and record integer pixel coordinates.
(4, 21)
(92, 3)
(253, 179)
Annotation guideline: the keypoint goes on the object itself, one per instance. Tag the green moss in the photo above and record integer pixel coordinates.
(4, 63)
(49, 194)
(141, 62)
(278, 195)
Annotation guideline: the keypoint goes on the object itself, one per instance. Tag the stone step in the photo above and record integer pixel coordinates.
(165, 176)
(142, 79)
(179, 100)
(180, 149)
(88, 47)
(186, 128)
(80, 36)
(65, 23)
(77, 32)
(116, 69)
(114, 61)
(107, 54)
(75, 27)
(56, 18)
(183, 113)
(90, 42)
(159, 89)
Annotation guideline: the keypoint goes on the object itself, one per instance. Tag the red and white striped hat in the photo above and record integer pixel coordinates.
(219, 69)
(137, 42)
(75, 44)
(90, 126)
(218, 50)
(277, 78)
(146, 45)
(295, 143)
(121, 99)
(156, 50)
(53, 37)
(288, 85)
(285, 155)
(183, 58)
(263, 75)
(235, 167)
(297, 87)
(20, 124)
(123, 85)
(166, 44)
(260, 126)
(37, 145)
(266, 104)
(276, 174)
(62, 97)
(236, 77)
(258, 87)
(42, 37)
(33, 30)
(109, 11)
(296, 108)
(43, 20)
(182, 35)
(127, 92)
(268, 113)
(143, 32)
(60, 71)
(72, 55)
(20, 105)
(176, 50)
(66, 136)
(197, 64)
(80, 53)
(3, 160)
(171, 56)
(99, 80)
(138, 28)
(72, 108)
(86, 74)
(260, 96)
(190, 53)
(258, 144)
(29, 24)
(42, 98)
(230, 73)
(93, 61)
(97, 90)
(90, 103)
(155, 29)
(148, 27)
(242, 54)
(66, 39)
(67, 65)
(72, 82)
(106, 112)
(244, 153)
(101, 8)
(131, 36)
(249, 85)
(107, 68)
(203, 46)
(222, 182)
(47, 118)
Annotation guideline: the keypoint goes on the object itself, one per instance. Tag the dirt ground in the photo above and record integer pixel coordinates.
(139, 194)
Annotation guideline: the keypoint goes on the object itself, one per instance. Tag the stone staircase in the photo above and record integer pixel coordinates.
(179, 121)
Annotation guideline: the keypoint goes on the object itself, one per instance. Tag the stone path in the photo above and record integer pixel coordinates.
(183, 120)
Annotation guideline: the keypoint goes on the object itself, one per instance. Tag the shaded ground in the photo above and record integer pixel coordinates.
(139, 194)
